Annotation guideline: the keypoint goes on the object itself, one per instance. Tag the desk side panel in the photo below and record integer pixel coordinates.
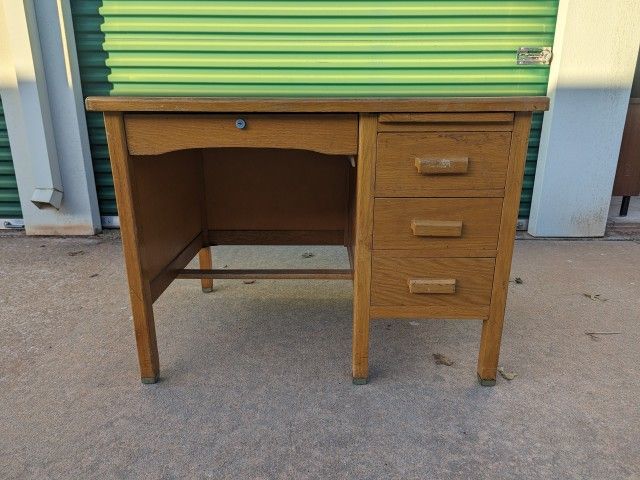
(168, 196)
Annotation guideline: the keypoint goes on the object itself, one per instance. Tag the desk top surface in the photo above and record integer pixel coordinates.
(316, 105)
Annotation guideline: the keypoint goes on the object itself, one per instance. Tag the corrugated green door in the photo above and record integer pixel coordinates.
(317, 48)
(9, 200)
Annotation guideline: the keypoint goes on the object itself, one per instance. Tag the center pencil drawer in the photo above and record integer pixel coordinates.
(436, 223)
(153, 134)
(420, 164)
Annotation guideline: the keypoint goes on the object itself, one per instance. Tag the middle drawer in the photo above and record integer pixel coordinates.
(436, 223)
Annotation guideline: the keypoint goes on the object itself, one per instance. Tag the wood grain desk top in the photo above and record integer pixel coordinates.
(316, 105)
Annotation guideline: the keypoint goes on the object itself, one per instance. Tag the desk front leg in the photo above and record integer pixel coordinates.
(361, 317)
(139, 285)
(491, 336)
(362, 243)
(144, 324)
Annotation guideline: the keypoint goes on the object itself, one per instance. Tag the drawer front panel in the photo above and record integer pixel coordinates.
(445, 285)
(449, 122)
(153, 134)
(425, 164)
(436, 223)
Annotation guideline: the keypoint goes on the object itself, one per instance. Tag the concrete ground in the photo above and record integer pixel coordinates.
(255, 377)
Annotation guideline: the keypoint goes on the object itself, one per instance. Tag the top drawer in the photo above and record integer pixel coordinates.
(449, 122)
(426, 164)
(154, 134)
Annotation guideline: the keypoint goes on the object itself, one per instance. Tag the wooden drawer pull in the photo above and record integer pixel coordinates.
(436, 228)
(441, 165)
(420, 286)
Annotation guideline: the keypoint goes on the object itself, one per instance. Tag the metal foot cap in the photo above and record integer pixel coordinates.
(149, 380)
(487, 382)
(207, 290)
(360, 381)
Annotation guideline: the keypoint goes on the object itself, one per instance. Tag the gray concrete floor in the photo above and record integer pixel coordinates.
(255, 378)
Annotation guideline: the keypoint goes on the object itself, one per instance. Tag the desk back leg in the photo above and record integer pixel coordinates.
(362, 239)
(139, 285)
(206, 263)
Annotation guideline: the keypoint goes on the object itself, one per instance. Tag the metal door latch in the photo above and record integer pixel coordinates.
(13, 224)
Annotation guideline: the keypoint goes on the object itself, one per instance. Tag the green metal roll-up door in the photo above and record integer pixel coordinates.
(9, 200)
(315, 48)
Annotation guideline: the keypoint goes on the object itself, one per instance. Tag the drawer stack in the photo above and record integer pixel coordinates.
(438, 196)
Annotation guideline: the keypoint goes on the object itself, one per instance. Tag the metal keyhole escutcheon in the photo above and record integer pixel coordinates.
(240, 123)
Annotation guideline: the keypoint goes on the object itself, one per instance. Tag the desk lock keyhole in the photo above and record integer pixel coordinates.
(241, 123)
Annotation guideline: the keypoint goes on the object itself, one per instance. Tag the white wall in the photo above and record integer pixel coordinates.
(40, 88)
(595, 53)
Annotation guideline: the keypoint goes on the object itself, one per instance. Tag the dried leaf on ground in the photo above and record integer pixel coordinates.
(248, 282)
(507, 375)
(441, 359)
(308, 255)
(595, 297)
(77, 252)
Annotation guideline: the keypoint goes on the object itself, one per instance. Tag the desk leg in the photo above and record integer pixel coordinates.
(492, 326)
(363, 234)
(360, 328)
(489, 350)
(144, 324)
(206, 263)
(139, 286)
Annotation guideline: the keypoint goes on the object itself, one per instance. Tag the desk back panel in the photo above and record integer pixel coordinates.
(275, 196)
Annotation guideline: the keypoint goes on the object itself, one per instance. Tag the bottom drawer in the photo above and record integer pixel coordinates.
(438, 287)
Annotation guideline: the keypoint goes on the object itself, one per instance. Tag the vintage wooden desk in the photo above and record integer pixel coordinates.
(423, 193)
